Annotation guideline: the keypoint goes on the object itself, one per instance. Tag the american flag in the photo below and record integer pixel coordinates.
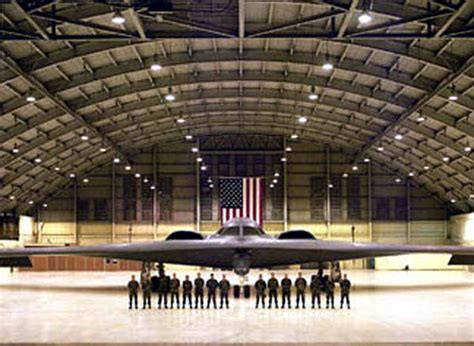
(241, 197)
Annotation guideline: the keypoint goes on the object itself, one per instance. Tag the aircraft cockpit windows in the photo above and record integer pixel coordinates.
(252, 231)
(230, 231)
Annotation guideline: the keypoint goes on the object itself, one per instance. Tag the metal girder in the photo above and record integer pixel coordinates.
(38, 86)
(241, 18)
(347, 18)
(41, 31)
(457, 12)
(416, 107)
(296, 23)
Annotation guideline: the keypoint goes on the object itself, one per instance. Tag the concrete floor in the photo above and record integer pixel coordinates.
(400, 307)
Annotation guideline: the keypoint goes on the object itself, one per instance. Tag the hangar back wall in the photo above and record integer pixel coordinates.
(395, 212)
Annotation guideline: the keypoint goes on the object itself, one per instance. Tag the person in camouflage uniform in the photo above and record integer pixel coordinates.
(199, 291)
(146, 291)
(174, 289)
(133, 286)
(345, 290)
(300, 284)
(286, 292)
(260, 287)
(211, 285)
(316, 287)
(187, 288)
(224, 287)
(273, 291)
(163, 289)
(329, 292)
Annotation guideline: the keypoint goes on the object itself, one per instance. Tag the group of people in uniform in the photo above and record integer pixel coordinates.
(169, 287)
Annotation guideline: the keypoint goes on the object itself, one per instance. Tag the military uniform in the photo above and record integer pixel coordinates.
(199, 292)
(187, 288)
(345, 290)
(330, 293)
(300, 285)
(286, 292)
(174, 285)
(224, 287)
(315, 287)
(146, 290)
(260, 287)
(133, 286)
(272, 292)
(163, 290)
(211, 285)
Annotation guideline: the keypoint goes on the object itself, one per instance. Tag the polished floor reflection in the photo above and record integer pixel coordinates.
(65, 307)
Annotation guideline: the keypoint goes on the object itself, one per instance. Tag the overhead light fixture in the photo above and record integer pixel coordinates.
(364, 18)
(275, 181)
(345, 175)
(181, 120)
(302, 120)
(30, 98)
(118, 18)
(31, 202)
(380, 148)
(11, 197)
(57, 169)
(85, 180)
(420, 119)
(199, 159)
(398, 137)
(156, 67)
(137, 175)
(15, 150)
(312, 95)
(452, 94)
(85, 137)
(426, 167)
(366, 160)
(146, 180)
(276, 174)
(272, 186)
(452, 98)
(102, 150)
(152, 187)
(288, 149)
(330, 186)
(294, 136)
(355, 168)
(72, 175)
(211, 186)
(45, 205)
(116, 160)
(194, 149)
(328, 66)
(398, 180)
(471, 196)
(128, 168)
(38, 160)
(467, 149)
(453, 200)
(209, 180)
(445, 158)
(283, 159)
(170, 97)
(203, 168)
(411, 174)
(188, 137)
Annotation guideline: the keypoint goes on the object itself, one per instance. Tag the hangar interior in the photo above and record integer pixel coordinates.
(118, 118)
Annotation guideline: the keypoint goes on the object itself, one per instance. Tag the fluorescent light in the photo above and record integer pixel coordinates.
(452, 98)
(328, 66)
(294, 136)
(156, 67)
(30, 98)
(181, 120)
(420, 119)
(365, 18)
(118, 18)
(302, 120)
(398, 137)
(446, 159)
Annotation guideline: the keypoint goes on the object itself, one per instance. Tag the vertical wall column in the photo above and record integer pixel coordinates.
(113, 202)
(369, 200)
(408, 192)
(285, 188)
(198, 193)
(155, 195)
(328, 190)
(76, 228)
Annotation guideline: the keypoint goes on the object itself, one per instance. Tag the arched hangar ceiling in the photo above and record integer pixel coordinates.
(400, 91)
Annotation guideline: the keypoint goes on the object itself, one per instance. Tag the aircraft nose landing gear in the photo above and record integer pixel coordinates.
(241, 262)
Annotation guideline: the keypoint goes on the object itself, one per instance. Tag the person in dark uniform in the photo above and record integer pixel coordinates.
(146, 290)
(260, 287)
(211, 285)
(286, 291)
(199, 291)
(187, 288)
(345, 290)
(273, 291)
(174, 289)
(300, 284)
(133, 286)
(329, 292)
(163, 290)
(316, 286)
(224, 287)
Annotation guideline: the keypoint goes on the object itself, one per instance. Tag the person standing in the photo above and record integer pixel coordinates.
(260, 287)
(329, 292)
(187, 288)
(345, 290)
(316, 286)
(199, 291)
(211, 285)
(224, 287)
(146, 290)
(163, 290)
(174, 288)
(286, 292)
(300, 284)
(272, 291)
(133, 286)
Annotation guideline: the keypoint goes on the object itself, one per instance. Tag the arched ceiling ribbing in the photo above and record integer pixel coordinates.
(236, 67)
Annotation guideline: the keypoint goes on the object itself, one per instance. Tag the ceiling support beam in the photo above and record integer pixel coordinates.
(444, 27)
(347, 19)
(241, 18)
(39, 87)
(41, 31)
